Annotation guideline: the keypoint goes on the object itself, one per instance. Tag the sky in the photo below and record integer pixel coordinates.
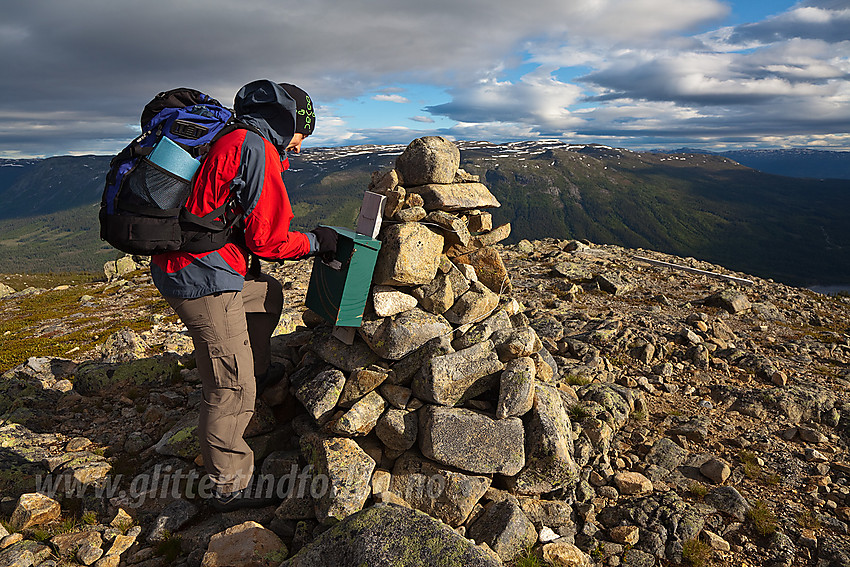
(637, 74)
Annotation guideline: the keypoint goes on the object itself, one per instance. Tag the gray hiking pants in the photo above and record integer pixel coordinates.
(231, 333)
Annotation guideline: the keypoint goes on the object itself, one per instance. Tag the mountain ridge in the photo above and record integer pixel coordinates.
(690, 204)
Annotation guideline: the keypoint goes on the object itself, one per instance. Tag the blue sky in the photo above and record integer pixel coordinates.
(640, 74)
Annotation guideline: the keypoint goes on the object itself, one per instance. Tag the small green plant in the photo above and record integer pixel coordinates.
(770, 479)
(529, 559)
(762, 518)
(576, 380)
(808, 519)
(10, 527)
(124, 526)
(596, 553)
(578, 412)
(41, 534)
(696, 553)
(66, 526)
(639, 416)
(698, 490)
(752, 470)
(89, 518)
(170, 546)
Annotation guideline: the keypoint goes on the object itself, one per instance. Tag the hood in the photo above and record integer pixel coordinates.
(267, 107)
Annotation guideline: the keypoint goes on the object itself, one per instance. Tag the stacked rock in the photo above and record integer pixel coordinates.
(447, 398)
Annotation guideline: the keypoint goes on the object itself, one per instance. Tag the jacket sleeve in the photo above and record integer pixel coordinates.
(262, 195)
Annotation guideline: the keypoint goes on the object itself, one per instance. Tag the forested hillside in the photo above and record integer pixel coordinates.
(701, 205)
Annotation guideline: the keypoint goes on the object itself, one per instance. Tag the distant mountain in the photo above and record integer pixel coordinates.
(688, 204)
(36, 187)
(800, 162)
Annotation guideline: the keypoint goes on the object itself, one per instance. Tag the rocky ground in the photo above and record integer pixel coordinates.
(550, 402)
(740, 448)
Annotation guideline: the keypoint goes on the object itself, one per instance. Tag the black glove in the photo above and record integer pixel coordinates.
(326, 238)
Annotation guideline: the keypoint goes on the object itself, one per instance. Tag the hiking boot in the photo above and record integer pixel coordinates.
(249, 497)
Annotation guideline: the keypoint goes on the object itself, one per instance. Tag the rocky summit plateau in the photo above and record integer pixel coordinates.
(556, 402)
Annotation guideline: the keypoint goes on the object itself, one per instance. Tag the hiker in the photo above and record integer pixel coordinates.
(229, 308)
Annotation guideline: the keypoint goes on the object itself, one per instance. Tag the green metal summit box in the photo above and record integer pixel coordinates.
(338, 290)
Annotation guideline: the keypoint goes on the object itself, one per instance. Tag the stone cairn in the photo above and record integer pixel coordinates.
(447, 401)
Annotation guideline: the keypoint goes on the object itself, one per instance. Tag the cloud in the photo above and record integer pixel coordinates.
(784, 77)
(76, 75)
(802, 22)
(390, 98)
(538, 98)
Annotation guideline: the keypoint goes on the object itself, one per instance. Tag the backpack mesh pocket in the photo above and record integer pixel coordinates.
(152, 186)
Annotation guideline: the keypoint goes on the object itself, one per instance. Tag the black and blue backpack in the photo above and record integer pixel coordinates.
(143, 209)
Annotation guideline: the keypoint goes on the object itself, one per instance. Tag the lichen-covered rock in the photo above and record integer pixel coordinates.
(88, 554)
(392, 536)
(123, 346)
(181, 440)
(173, 517)
(482, 331)
(115, 269)
(389, 301)
(516, 343)
(463, 374)
(360, 383)
(549, 446)
(437, 296)
(728, 500)
(455, 230)
(398, 429)
(248, 543)
(405, 369)
(472, 441)
(6, 290)
(65, 544)
(94, 378)
(347, 358)
(730, 300)
(319, 396)
(455, 196)
(441, 492)
(564, 554)
(505, 529)
(632, 483)
(516, 388)
(44, 370)
(347, 470)
(34, 509)
(362, 417)
(473, 306)
(489, 268)
(383, 181)
(410, 255)
(410, 214)
(16, 556)
(395, 337)
(494, 236)
(430, 159)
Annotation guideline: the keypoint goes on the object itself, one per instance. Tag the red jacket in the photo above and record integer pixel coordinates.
(244, 162)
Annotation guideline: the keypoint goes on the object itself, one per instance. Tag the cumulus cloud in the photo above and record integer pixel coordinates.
(803, 22)
(390, 98)
(77, 74)
(538, 98)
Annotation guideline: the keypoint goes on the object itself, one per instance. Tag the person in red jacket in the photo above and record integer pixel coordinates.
(230, 310)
